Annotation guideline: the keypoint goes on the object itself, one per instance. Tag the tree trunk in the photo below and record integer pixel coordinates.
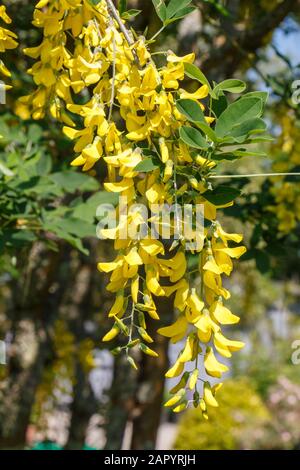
(78, 311)
(83, 407)
(121, 403)
(151, 382)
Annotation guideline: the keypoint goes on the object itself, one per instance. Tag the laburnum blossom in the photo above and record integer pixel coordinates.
(128, 113)
(7, 40)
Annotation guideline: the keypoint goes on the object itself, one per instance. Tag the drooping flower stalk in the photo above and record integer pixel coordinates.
(7, 42)
(137, 118)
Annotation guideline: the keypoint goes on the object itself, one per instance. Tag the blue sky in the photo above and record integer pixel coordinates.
(289, 43)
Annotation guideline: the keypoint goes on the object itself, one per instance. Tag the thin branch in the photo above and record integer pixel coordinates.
(112, 98)
(157, 33)
(228, 57)
(115, 14)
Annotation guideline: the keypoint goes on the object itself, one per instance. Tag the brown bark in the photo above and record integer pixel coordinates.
(78, 311)
(120, 403)
(151, 382)
(83, 407)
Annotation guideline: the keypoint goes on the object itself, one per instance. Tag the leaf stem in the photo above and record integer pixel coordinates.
(112, 99)
(157, 33)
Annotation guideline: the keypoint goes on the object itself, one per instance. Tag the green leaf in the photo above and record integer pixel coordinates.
(236, 113)
(130, 14)
(175, 6)
(225, 156)
(87, 210)
(230, 85)
(26, 185)
(194, 72)
(193, 138)
(191, 110)
(250, 126)
(149, 153)
(185, 170)
(161, 9)
(44, 164)
(146, 165)
(219, 105)
(248, 153)
(180, 14)
(35, 133)
(207, 131)
(78, 228)
(103, 197)
(23, 236)
(68, 226)
(71, 230)
(260, 138)
(262, 95)
(221, 195)
(71, 181)
(122, 6)
(238, 154)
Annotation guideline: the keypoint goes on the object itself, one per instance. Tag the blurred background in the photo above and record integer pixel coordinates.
(60, 387)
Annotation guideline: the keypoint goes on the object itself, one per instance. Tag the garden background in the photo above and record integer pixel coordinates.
(61, 388)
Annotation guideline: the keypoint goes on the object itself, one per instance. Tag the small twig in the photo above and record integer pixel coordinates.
(160, 53)
(116, 16)
(131, 316)
(157, 33)
(122, 27)
(176, 200)
(112, 99)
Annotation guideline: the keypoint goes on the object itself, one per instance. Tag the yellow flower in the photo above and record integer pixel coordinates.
(213, 367)
(201, 93)
(7, 40)
(180, 326)
(222, 314)
(209, 396)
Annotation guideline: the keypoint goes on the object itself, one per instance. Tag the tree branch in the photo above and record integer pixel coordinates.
(225, 59)
(116, 16)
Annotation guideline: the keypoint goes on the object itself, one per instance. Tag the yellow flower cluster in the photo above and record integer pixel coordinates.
(57, 71)
(286, 193)
(7, 40)
(130, 116)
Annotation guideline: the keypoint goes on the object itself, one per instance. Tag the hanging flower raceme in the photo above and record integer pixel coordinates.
(59, 71)
(7, 41)
(161, 145)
